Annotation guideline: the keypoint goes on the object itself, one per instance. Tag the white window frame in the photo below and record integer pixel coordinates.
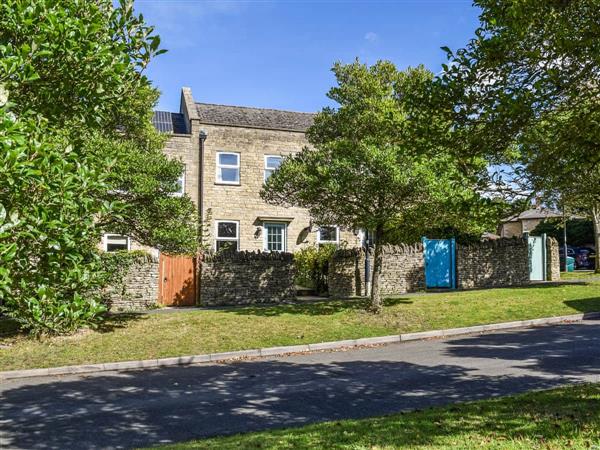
(237, 232)
(105, 239)
(337, 235)
(265, 178)
(284, 226)
(219, 166)
(182, 180)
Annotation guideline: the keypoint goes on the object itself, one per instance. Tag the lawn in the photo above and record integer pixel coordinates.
(556, 419)
(580, 275)
(163, 334)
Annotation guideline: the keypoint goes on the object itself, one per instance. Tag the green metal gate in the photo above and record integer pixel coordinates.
(537, 257)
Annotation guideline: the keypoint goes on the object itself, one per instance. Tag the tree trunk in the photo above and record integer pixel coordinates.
(596, 220)
(377, 263)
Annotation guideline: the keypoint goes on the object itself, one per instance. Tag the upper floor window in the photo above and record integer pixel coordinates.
(328, 235)
(227, 235)
(180, 185)
(272, 162)
(228, 168)
(115, 242)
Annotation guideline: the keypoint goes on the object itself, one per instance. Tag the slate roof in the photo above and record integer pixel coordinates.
(168, 122)
(536, 213)
(242, 116)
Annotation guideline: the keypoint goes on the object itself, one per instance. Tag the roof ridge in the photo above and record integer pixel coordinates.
(256, 107)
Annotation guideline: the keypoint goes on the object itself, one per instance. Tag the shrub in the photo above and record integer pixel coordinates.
(48, 257)
(312, 264)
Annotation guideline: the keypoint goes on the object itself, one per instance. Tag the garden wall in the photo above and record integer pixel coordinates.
(136, 288)
(494, 263)
(503, 262)
(243, 278)
(552, 259)
(402, 271)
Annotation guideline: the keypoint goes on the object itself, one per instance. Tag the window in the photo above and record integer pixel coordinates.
(328, 235)
(275, 235)
(228, 168)
(180, 185)
(227, 235)
(115, 242)
(272, 162)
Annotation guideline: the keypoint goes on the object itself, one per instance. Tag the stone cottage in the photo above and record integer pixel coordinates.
(228, 152)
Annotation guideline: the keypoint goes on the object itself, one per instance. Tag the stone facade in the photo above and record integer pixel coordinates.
(244, 278)
(138, 287)
(552, 260)
(241, 203)
(498, 263)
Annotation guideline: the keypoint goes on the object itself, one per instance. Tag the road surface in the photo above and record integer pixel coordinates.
(133, 409)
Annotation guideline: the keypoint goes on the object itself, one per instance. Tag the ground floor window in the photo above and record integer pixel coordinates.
(275, 237)
(328, 235)
(227, 235)
(115, 242)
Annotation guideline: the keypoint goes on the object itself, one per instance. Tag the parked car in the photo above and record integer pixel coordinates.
(585, 258)
(571, 252)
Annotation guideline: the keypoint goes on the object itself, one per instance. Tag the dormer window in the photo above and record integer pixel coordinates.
(228, 168)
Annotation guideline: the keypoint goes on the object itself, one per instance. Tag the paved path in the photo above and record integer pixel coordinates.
(112, 410)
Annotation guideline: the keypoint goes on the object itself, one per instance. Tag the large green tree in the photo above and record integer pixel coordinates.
(527, 92)
(81, 154)
(375, 160)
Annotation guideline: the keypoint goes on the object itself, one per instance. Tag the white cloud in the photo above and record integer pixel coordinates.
(371, 36)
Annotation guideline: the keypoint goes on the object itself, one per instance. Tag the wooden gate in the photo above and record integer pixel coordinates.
(177, 282)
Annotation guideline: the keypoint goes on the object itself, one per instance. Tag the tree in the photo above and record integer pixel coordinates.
(73, 71)
(527, 91)
(376, 161)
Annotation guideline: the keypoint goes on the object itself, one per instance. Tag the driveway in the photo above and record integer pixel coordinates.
(132, 409)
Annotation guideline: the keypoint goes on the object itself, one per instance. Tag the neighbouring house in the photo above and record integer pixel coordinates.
(525, 222)
(228, 152)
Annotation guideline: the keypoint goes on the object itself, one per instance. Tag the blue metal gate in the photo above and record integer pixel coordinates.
(440, 263)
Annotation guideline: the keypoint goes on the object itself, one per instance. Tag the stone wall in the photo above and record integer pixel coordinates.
(402, 271)
(502, 262)
(496, 263)
(136, 288)
(243, 278)
(552, 260)
(346, 273)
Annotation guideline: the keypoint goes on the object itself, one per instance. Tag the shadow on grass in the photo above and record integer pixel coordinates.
(136, 409)
(114, 321)
(10, 328)
(319, 308)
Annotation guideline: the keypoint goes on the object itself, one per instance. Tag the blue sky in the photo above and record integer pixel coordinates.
(278, 54)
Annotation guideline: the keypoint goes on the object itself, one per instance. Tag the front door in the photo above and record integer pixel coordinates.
(177, 282)
(440, 270)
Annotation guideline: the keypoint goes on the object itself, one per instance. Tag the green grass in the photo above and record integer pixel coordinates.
(159, 335)
(565, 418)
(580, 275)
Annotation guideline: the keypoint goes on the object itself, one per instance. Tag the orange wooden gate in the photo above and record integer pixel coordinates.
(177, 283)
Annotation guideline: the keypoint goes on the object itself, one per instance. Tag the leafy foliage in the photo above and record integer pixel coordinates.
(81, 154)
(526, 92)
(312, 265)
(579, 231)
(378, 160)
(48, 200)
